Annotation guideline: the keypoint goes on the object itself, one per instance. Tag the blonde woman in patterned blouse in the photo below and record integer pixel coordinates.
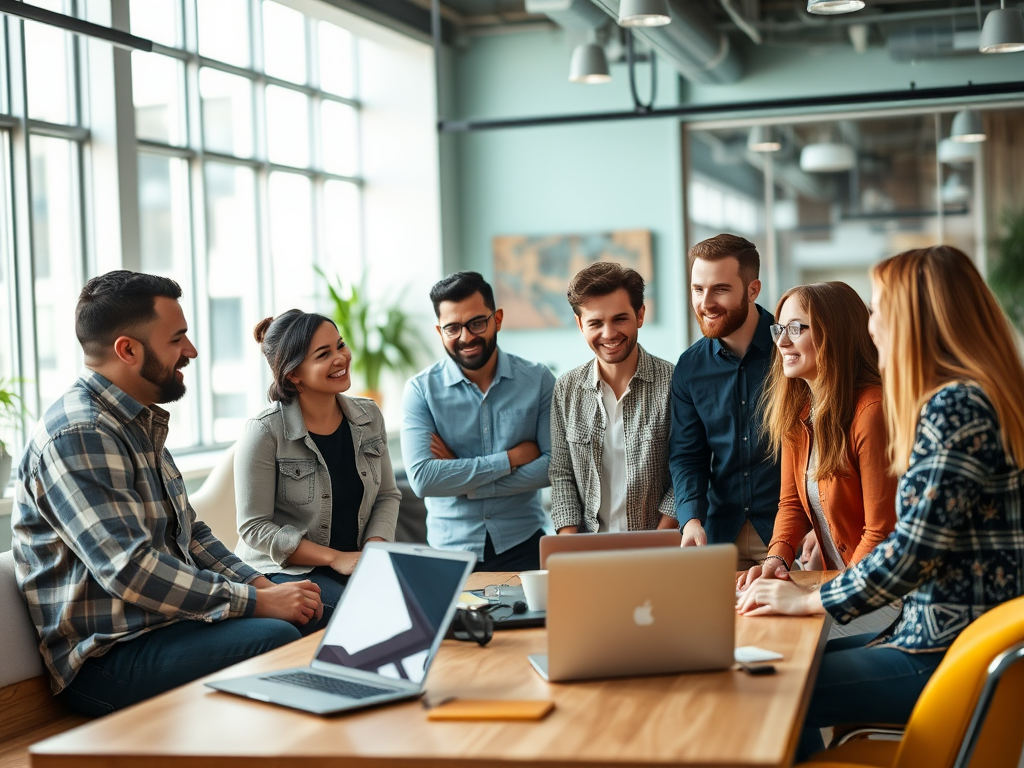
(951, 378)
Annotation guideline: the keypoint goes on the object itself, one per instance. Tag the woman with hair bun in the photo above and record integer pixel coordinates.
(951, 381)
(313, 477)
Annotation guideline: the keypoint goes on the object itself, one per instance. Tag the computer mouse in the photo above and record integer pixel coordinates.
(518, 607)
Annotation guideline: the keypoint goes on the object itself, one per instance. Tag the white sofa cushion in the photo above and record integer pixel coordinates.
(20, 657)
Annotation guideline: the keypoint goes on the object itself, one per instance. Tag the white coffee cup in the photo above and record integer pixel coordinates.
(535, 587)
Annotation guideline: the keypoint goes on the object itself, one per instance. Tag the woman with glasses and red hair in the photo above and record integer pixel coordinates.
(824, 418)
(951, 380)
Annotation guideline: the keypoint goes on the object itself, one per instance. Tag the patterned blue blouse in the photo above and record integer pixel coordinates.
(958, 547)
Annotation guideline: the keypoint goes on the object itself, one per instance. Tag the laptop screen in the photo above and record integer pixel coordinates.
(391, 613)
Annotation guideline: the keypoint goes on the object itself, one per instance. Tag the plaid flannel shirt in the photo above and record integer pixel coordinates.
(578, 422)
(958, 547)
(106, 544)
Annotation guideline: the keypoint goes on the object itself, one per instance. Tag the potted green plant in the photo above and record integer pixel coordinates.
(1006, 275)
(380, 332)
(11, 411)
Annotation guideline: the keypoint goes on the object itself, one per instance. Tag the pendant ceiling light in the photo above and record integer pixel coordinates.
(957, 152)
(589, 65)
(644, 13)
(955, 190)
(827, 156)
(833, 7)
(1003, 31)
(764, 138)
(967, 127)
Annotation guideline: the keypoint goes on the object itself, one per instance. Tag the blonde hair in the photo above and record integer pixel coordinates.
(846, 363)
(944, 325)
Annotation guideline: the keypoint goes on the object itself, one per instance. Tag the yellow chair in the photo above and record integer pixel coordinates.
(971, 712)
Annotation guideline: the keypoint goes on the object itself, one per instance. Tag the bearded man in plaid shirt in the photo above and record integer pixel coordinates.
(130, 593)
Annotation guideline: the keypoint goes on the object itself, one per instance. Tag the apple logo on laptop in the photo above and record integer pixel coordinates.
(643, 615)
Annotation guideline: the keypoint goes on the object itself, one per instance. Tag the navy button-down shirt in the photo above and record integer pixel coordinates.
(722, 468)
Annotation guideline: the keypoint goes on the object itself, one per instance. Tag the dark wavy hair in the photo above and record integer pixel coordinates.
(285, 341)
(601, 279)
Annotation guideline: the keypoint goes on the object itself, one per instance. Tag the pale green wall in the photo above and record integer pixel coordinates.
(618, 175)
(565, 180)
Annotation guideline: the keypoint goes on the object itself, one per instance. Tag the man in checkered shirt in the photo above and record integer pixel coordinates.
(610, 417)
(130, 593)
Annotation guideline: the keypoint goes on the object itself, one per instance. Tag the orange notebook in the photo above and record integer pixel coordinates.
(479, 709)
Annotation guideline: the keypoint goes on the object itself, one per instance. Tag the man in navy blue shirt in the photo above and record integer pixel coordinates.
(725, 479)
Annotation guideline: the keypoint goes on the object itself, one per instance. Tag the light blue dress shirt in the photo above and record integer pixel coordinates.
(478, 493)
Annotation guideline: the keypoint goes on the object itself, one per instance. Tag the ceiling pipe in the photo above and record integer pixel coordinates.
(741, 22)
(773, 107)
(805, 22)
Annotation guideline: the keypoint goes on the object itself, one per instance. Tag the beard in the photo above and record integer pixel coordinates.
(473, 362)
(725, 326)
(169, 388)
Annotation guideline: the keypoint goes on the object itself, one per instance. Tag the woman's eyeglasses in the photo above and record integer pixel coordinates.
(794, 330)
(476, 326)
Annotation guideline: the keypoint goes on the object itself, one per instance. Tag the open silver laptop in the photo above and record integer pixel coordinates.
(589, 542)
(381, 639)
(639, 612)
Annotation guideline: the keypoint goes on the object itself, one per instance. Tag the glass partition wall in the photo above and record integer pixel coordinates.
(825, 198)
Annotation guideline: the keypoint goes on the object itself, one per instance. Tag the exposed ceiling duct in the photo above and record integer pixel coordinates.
(692, 44)
(931, 42)
(570, 14)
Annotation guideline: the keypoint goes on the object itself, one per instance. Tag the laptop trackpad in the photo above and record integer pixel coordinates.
(540, 663)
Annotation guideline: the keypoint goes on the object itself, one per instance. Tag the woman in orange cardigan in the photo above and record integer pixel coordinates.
(823, 414)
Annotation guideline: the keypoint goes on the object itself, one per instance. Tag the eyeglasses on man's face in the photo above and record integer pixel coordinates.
(476, 326)
(794, 330)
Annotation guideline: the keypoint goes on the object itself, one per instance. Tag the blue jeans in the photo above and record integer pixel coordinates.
(168, 657)
(331, 584)
(863, 685)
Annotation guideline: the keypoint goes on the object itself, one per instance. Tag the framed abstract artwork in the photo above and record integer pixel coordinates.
(531, 274)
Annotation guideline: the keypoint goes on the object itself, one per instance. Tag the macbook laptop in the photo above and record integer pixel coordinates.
(639, 612)
(580, 542)
(381, 639)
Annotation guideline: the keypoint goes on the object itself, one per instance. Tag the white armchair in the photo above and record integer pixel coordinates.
(214, 502)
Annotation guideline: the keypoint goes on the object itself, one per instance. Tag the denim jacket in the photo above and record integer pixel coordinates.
(283, 487)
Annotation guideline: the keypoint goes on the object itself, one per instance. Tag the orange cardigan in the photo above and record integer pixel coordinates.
(860, 507)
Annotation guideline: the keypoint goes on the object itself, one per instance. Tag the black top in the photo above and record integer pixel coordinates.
(346, 485)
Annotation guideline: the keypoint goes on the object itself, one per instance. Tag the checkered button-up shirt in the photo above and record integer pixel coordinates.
(106, 544)
(958, 547)
(578, 424)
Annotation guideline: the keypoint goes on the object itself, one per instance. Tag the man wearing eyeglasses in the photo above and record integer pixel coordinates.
(725, 478)
(476, 434)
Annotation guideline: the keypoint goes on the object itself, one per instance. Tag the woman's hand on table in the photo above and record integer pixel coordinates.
(772, 568)
(778, 596)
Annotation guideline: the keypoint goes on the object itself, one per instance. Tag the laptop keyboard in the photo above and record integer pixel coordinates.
(328, 684)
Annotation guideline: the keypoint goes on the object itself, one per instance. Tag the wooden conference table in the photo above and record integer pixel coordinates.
(716, 719)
